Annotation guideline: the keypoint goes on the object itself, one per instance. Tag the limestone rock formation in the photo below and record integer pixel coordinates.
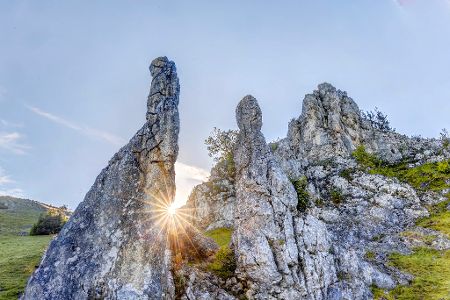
(337, 245)
(272, 256)
(211, 204)
(331, 124)
(114, 246)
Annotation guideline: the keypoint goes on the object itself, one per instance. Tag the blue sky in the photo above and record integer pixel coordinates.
(74, 75)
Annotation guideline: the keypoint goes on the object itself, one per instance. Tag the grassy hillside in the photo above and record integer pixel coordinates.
(19, 253)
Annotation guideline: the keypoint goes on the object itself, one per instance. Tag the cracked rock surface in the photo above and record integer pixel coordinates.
(337, 247)
(113, 247)
(272, 255)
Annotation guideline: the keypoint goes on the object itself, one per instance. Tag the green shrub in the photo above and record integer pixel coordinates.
(443, 167)
(347, 174)
(302, 194)
(224, 263)
(273, 146)
(50, 222)
(370, 255)
(319, 202)
(336, 196)
(429, 176)
(366, 159)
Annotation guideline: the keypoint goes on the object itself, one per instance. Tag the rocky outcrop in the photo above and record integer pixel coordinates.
(115, 246)
(331, 124)
(336, 247)
(272, 257)
(211, 204)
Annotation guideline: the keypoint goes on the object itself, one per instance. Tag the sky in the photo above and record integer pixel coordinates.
(74, 76)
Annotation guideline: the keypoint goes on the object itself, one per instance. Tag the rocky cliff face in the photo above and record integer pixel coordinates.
(273, 257)
(114, 246)
(331, 125)
(311, 217)
(331, 239)
(211, 204)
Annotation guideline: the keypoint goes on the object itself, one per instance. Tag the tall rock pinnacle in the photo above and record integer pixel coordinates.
(281, 253)
(115, 246)
(263, 239)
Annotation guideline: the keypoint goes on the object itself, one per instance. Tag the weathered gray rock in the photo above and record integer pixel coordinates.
(211, 204)
(333, 236)
(203, 286)
(273, 258)
(114, 246)
(331, 125)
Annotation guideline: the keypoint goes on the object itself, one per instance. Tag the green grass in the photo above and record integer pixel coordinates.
(19, 254)
(224, 262)
(222, 236)
(20, 215)
(439, 219)
(431, 270)
(430, 267)
(426, 177)
(18, 257)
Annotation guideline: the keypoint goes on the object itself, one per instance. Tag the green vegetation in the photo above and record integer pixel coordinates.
(18, 257)
(427, 239)
(347, 174)
(302, 194)
(431, 270)
(426, 177)
(220, 143)
(224, 262)
(366, 159)
(370, 255)
(273, 146)
(439, 218)
(222, 236)
(336, 196)
(50, 222)
(19, 253)
(19, 215)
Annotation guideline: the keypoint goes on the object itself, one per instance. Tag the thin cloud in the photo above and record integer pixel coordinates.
(191, 172)
(6, 123)
(186, 178)
(11, 141)
(4, 179)
(5, 190)
(92, 132)
(18, 193)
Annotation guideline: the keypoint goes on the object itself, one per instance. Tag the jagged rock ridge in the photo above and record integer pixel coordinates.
(113, 246)
(349, 212)
(268, 238)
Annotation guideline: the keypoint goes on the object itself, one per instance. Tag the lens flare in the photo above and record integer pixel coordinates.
(171, 210)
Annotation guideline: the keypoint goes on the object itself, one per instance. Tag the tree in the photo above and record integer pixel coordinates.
(50, 222)
(445, 138)
(220, 144)
(378, 120)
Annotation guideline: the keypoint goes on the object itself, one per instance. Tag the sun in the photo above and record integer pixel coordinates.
(172, 210)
